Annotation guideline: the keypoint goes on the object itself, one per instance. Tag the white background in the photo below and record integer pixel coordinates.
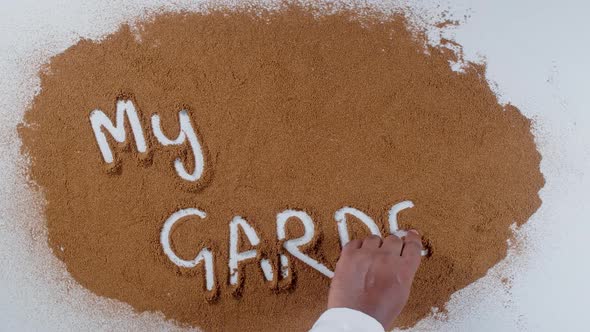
(538, 58)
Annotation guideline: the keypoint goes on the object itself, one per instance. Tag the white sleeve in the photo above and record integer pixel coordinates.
(346, 320)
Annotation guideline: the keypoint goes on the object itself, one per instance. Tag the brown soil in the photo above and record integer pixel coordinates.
(295, 109)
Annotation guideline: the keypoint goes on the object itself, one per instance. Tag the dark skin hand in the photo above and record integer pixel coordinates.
(374, 276)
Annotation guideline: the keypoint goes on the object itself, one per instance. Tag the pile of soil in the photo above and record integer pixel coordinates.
(295, 109)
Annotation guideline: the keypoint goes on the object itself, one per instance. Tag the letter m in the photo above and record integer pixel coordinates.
(100, 123)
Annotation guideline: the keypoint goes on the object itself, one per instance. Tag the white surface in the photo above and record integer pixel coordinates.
(538, 54)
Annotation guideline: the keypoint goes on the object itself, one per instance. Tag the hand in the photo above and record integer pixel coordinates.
(374, 276)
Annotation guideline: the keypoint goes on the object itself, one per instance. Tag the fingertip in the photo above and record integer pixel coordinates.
(413, 235)
(372, 241)
(353, 244)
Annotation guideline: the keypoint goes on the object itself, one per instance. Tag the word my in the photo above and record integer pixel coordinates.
(126, 110)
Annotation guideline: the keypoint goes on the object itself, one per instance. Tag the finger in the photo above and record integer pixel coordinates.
(412, 248)
(372, 242)
(352, 245)
(393, 244)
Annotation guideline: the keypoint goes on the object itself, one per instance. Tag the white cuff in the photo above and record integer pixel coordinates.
(346, 320)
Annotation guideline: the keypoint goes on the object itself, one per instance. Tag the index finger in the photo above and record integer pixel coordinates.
(412, 249)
